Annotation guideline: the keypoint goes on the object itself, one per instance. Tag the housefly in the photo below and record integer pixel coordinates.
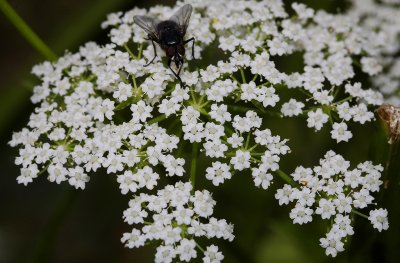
(169, 34)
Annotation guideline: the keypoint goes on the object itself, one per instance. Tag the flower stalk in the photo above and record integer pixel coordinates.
(33, 39)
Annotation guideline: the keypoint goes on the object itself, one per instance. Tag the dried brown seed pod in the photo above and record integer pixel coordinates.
(391, 115)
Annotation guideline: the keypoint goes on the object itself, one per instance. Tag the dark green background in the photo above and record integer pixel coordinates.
(45, 222)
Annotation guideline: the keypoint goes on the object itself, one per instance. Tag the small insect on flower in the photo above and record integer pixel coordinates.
(169, 35)
(391, 115)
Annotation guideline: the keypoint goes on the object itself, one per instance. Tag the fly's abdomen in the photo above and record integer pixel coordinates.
(170, 51)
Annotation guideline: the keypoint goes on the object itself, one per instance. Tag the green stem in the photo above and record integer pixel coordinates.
(157, 119)
(243, 76)
(245, 109)
(134, 83)
(193, 165)
(201, 100)
(253, 147)
(343, 100)
(359, 213)
(247, 141)
(129, 51)
(26, 31)
(193, 96)
(286, 177)
(199, 247)
(235, 79)
(140, 51)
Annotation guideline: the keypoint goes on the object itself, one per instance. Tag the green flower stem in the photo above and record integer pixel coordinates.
(286, 177)
(140, 50)
(243, 75)
(202, 99)
(44, 169)
(257, 154)
(327, 110)
(359, 213)
(247, 141)
(265, 84)
(343, 100)
(26, 31)
(192, 94)
(67, 136)
(235, 79)
(308, 94)
(244, 109)
(255, 160)
(199, 247)
(336, 91)
(241, 108)
(130, 52)
(157, 119)
(253, 147)
(135, 86)
(193, 164)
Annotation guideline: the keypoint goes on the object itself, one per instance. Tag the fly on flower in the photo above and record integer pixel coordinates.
(169, 34)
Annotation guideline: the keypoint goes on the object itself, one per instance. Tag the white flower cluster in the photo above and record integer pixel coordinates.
(177, 218)
(382, 19)
(334, 191)
(101, 109)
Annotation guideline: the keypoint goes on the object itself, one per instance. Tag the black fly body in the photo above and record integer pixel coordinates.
(169, 34)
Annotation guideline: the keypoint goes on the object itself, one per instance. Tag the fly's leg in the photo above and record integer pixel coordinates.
(176, 74)
(155, 54)
(181, 65)
(187, 41)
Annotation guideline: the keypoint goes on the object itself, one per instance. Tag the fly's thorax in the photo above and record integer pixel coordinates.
(169, 33)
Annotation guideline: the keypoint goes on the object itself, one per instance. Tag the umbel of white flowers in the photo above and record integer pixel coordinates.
(100, 108)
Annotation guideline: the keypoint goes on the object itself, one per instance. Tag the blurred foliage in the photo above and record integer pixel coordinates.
(45, 222)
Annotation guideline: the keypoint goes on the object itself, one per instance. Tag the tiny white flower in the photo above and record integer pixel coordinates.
(57, 173)
(133, 239)
(370, 65)
(378, 219)
(362, 198)
(165, 254)
(77, 177)
(301, 214)
(332, 244)
(186, 250)
(212, 255)
(28, 174)
(326, 208)
(241, 160)
(292, 108)
(284, 195)
(141, 111)
(218, 173)
(316, 119)
(342, 226)
(220, 113)
(123, 92)
(340, 132)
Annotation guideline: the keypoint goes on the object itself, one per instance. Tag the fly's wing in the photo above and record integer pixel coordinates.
(182, 17)
(149, 25)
